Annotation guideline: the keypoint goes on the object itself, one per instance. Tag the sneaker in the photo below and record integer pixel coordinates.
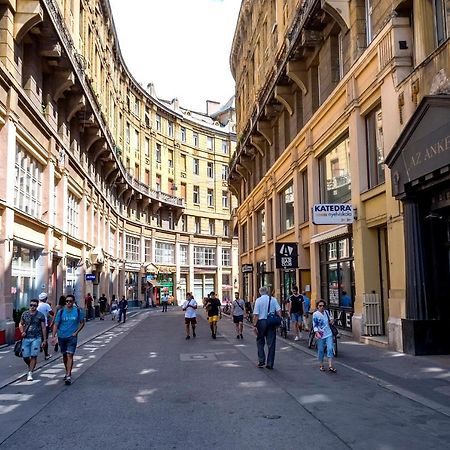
(48, 357)
(238, 336)
(65, 377)
(296, 338)
(188, 337)
(30, 376)
(68, 381)
(261, 365)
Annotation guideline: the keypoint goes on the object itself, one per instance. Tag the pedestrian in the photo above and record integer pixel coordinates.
(295, 308)
(164, 301)
(265, 304)
(321, 325)
(214, 313)
(69, 321)
(88, 305)
(47, 310)
(102, 301)
(114, 308)
(34, 335)
(237, 310)
(123, 306)
(306, 311)
(190, 314)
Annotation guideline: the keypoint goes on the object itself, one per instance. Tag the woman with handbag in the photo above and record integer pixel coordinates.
(266, 318)
(324, 335)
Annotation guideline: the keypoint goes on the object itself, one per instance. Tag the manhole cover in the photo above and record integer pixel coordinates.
(198, 357)
(272, 417)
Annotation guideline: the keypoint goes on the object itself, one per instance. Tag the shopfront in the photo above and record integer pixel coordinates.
(247, 274)
(420, 173)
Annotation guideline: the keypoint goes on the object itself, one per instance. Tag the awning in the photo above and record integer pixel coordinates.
(330, 234)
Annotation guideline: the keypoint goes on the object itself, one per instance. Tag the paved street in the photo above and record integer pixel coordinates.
(142, 385)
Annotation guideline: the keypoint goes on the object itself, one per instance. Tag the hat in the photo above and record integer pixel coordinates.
(42, 296)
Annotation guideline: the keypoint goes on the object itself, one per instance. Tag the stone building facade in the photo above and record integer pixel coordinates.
(104, 187)
(337, 102)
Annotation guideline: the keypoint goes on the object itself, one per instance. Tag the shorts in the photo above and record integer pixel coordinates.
(237, 319)
(68, 345)
(31, 347)
(297, 317)
(213, 319)
(190, 320)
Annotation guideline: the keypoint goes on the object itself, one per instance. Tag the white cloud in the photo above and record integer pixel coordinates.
(182, 46)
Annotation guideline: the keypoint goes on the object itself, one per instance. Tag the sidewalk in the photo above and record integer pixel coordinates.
(423, 379)
(13, 368)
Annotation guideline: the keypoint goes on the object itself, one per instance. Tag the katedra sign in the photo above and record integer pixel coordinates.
(332, 213)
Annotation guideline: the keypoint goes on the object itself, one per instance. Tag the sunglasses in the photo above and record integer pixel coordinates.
(69, 301)
(33, 305)
(321, 306)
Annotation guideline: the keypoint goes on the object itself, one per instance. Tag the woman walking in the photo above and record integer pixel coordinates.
(324, 336)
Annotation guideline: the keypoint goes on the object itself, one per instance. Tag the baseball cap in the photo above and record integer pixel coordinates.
(42, 296)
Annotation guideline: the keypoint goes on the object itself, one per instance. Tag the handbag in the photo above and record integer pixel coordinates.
(18, 344)
(273, 319)
(333, 327)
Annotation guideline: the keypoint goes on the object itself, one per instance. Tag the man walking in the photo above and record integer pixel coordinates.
(265, 305)
(45, 309)
(237, 310)
(295, 308)
(123, 306)
(68, 323)
(34, 334)
(214, 313)
(164, 301)
(190, 314)
(88, 305)
(102, 302)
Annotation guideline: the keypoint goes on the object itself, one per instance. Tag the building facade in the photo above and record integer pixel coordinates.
(328, 93)
(104, 187)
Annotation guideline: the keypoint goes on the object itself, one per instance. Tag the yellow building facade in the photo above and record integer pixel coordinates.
(104, 187)
(328, 93)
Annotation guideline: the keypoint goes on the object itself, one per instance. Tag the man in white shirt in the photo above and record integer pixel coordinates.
(190, 314)
(45, 309)
(264, 305)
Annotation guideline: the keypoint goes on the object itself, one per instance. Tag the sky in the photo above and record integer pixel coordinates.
(181, 46)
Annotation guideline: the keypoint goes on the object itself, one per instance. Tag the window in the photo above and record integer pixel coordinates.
(375, 153)
(226, 229)
(334, 174)
(136, 106)
(183, 163)
(132, 248)
(210, 143)
(28, 185)
(170, 128)
(225, 172)
(164, 253)
(170, 159)
(287, 208)
(225, 147)
(136, 139)
(243, 238)
(147, 117)
(158, 122)
(158, 219)
(211, 227)
(224, 199)
(148, 250)
(210, 170)
(261, 226)
(204, 256)
(184, 226)
(73, 210)
(198, 225)
(196, 195)
(195, 139)
(183, 191)
(158, 183)
(226, 257)
(210, 197)
(196, 166)
(305, 199)
(158, 153)
(183, 134)
(369, 11)
(127, 133)
(183, 255)
(171, 220)
(440, 20)
(112, 242)
(147, 147)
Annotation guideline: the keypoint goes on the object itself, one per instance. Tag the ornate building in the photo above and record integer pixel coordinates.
(104, 187)
(329, 92)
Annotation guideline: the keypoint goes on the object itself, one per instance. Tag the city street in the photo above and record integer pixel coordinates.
(142, 385)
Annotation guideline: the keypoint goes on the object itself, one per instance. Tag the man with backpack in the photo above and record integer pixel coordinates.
(69, 321)
(296, 311)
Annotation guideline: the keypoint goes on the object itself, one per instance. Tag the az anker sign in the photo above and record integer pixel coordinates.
(332, 214)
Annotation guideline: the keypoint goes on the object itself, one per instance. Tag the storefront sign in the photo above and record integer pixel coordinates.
(332, 213)
(247, 268)
(90, 277)
(286, 255)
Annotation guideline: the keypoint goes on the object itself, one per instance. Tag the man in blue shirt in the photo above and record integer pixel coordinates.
(306, 311)
(68, 323)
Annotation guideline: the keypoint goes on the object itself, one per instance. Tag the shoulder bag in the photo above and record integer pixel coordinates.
(18, 344)
(333, 327)
(273, 319)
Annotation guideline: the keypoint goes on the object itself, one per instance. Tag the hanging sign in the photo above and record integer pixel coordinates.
(332, 213)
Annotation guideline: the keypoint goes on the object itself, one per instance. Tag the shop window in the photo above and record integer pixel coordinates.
(375, 152)
(334, 168)
(287, 208)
